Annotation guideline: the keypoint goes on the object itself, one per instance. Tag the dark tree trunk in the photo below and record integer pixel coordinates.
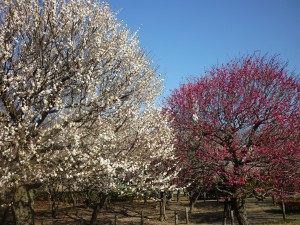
(22, 206)
(193, 199)
(145, 198)
(238, 205)
(226, 213)
(54, 208)
(217, 195)
(54, 200)
(4, 213)
(273, 200)
(178, 194)
(73, 199)
(97, 207)
(162, 206)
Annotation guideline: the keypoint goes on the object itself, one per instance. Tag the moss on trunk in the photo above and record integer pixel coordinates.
(22, 206)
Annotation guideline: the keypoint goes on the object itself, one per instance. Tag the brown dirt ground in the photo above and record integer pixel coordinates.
(129, 213)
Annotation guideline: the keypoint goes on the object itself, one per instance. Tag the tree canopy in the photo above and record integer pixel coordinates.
(237, 127)
(76, 100)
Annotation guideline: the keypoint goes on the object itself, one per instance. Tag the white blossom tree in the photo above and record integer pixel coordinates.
(136, 157)
(72, 78)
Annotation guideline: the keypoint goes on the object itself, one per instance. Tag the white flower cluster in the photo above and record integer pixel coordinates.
(75, 97)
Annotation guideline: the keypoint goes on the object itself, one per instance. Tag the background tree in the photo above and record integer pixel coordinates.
(241, 121)
(118, 163)
(67, 68)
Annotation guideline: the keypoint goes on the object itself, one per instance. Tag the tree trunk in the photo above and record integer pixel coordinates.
(193, 199)
(176, 218)
(54, 200)
(238, 205)
(54, 208)
(6, 197)
(22, 206)
(226, 213)
(178, 194)
(162, 206)
(73, 198)
(283, 210)
(204, 197)
(97, 207)
(217, 195)
(273, 200)
(4, 213)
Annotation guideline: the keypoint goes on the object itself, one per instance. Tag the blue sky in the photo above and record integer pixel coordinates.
(184, 38)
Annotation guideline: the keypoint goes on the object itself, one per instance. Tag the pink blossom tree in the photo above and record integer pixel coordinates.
(237, 128)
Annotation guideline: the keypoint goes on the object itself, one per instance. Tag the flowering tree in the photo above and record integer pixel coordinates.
(106, 157)
(152, 137)
(71, 76)
(238, 128)
(147, 133)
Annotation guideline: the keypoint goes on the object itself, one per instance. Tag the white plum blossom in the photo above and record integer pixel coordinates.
(75, 99)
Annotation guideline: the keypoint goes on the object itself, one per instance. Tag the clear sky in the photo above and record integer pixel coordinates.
(184, 38)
